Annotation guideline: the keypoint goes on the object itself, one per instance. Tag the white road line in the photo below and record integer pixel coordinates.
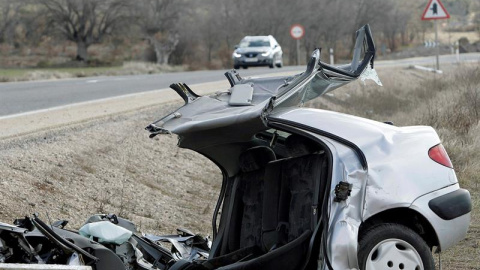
(78, 104)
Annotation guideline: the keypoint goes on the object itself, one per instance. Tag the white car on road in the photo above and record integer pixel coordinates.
(257, 51)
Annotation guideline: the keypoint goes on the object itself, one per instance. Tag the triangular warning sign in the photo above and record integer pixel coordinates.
(435, 10)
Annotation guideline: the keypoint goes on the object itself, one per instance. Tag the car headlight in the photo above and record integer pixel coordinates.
(237, 55)
(267, 53)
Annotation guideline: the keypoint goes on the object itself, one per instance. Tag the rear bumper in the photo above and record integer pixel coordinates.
(448, 211)
(452, 205)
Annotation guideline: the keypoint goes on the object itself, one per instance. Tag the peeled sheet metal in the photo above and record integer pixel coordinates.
(204, 123)
(346, 216)
(215, 111)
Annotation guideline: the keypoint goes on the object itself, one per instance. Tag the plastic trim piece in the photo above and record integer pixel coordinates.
(452, 205)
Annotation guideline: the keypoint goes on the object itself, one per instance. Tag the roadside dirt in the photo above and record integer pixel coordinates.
(108, 165)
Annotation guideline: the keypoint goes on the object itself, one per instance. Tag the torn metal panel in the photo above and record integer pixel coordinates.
(346, 215)
(205, 123)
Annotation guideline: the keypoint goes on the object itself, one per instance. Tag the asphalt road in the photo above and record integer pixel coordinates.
(22, 97)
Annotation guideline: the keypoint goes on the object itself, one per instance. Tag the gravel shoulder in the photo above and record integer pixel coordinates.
(108, 165)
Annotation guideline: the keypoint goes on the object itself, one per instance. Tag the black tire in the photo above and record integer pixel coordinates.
(271, 65)
(236, 67)
(245, 67)
(393, 234)
(279, 65)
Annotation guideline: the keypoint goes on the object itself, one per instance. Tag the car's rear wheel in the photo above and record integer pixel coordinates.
(393, 246)
(236, 67)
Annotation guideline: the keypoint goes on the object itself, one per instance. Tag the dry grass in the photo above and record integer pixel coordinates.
(449, 37)
(451, 104)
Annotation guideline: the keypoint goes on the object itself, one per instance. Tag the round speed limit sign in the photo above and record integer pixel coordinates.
(297, 31)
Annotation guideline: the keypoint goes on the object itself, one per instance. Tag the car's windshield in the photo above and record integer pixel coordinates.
(254, 43)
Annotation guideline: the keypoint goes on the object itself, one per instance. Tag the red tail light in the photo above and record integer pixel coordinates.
(439, 155)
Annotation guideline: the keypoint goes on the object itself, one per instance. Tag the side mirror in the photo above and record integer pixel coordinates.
(236, 47)
(275, 46)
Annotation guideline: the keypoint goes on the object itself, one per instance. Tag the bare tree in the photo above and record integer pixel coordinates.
(157, 21)
(9, 19)
(85, 22)
(394, 24)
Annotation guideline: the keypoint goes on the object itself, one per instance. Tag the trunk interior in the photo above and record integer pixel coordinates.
(272, 206)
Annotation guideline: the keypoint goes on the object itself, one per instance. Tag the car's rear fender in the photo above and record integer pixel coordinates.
(447, 237)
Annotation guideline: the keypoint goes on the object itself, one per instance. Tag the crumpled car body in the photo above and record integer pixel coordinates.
(103, 242)
(347, 192)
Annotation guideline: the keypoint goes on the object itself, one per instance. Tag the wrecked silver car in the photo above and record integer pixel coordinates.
(314, 189)
(302, 188)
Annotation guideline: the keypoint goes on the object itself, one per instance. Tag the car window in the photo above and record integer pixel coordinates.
(254, 43)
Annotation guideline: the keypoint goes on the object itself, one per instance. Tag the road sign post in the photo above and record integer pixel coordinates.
(435, 11)
(298, 51)
(297, 32)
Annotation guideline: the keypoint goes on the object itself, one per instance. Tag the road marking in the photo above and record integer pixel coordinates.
(78, 104)
(45, 119)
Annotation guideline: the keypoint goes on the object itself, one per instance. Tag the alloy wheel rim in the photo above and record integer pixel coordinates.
(394, 254)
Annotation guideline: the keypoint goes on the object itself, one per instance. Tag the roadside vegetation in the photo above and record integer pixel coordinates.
(128, 68)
